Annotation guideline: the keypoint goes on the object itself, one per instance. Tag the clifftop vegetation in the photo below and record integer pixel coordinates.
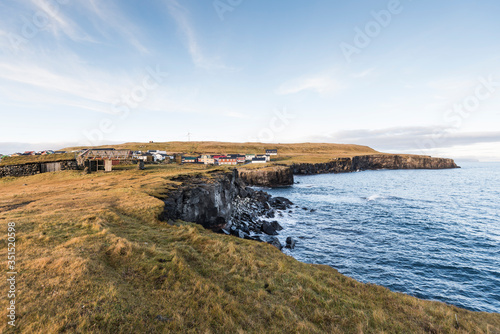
(94, 258)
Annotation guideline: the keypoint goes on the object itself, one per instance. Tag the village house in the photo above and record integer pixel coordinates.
(227, 161)
(136, 154)
(146, 157)
(249, 157)
(265, 156)
(207, 159)
(157, 152)
(102, 158)
(259, 160)
(191, 160)
(272, 152)
(161, 156)
(239, 157)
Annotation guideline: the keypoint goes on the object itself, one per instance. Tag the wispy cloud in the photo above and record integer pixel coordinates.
(81, 82)
(112, 17)
(181, 16)
(321, 84)
(59, 23)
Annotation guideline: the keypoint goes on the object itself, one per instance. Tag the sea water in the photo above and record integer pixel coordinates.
(432, 234)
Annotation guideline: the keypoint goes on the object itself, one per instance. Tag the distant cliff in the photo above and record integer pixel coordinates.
(387, 161)
(373, 162)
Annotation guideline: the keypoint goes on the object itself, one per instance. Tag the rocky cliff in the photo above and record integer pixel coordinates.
(373, 162)
(277, 176)
(387, 161)
(221, 201)
(203, 200)
(339, 165)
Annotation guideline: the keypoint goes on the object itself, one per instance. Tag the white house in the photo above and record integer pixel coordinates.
(265, 156)
(157, 152)
(259, 160)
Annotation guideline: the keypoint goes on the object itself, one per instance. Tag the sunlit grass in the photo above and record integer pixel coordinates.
(94, 258)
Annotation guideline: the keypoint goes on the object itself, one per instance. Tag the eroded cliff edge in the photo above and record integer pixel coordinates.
(277, 176)
(223, 201)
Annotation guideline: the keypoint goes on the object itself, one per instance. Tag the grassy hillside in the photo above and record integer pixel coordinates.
(94, 258)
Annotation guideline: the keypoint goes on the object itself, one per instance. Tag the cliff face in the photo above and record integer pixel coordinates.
(339, 165)
(208, 202)
(223, 202)
(268, 177)
(371, 162)
(383, 161)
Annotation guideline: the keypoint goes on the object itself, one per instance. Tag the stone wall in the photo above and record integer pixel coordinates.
(35, 168)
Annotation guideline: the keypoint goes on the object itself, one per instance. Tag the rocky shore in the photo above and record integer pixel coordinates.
(224, 203)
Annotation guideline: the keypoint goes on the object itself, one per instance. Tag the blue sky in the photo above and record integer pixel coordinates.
(399, 76)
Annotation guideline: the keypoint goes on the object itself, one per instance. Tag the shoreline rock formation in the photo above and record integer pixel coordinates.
(223, 202)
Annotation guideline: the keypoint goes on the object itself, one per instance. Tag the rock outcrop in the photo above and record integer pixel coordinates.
(203, 200)
(276, 176)
(223, 202)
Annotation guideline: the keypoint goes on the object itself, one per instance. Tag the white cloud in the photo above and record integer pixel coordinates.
(181, 16)
(322, 84)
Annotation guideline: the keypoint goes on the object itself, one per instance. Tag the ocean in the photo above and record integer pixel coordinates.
(432, 234)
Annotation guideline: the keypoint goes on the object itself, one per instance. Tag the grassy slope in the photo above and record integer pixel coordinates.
(92, 257)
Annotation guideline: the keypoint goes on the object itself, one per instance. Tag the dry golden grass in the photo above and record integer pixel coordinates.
(94, 258)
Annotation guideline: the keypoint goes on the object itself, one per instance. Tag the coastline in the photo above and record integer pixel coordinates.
(106, 228)
(226, 203)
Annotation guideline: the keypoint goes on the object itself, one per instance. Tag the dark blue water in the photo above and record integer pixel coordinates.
(433, 234)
